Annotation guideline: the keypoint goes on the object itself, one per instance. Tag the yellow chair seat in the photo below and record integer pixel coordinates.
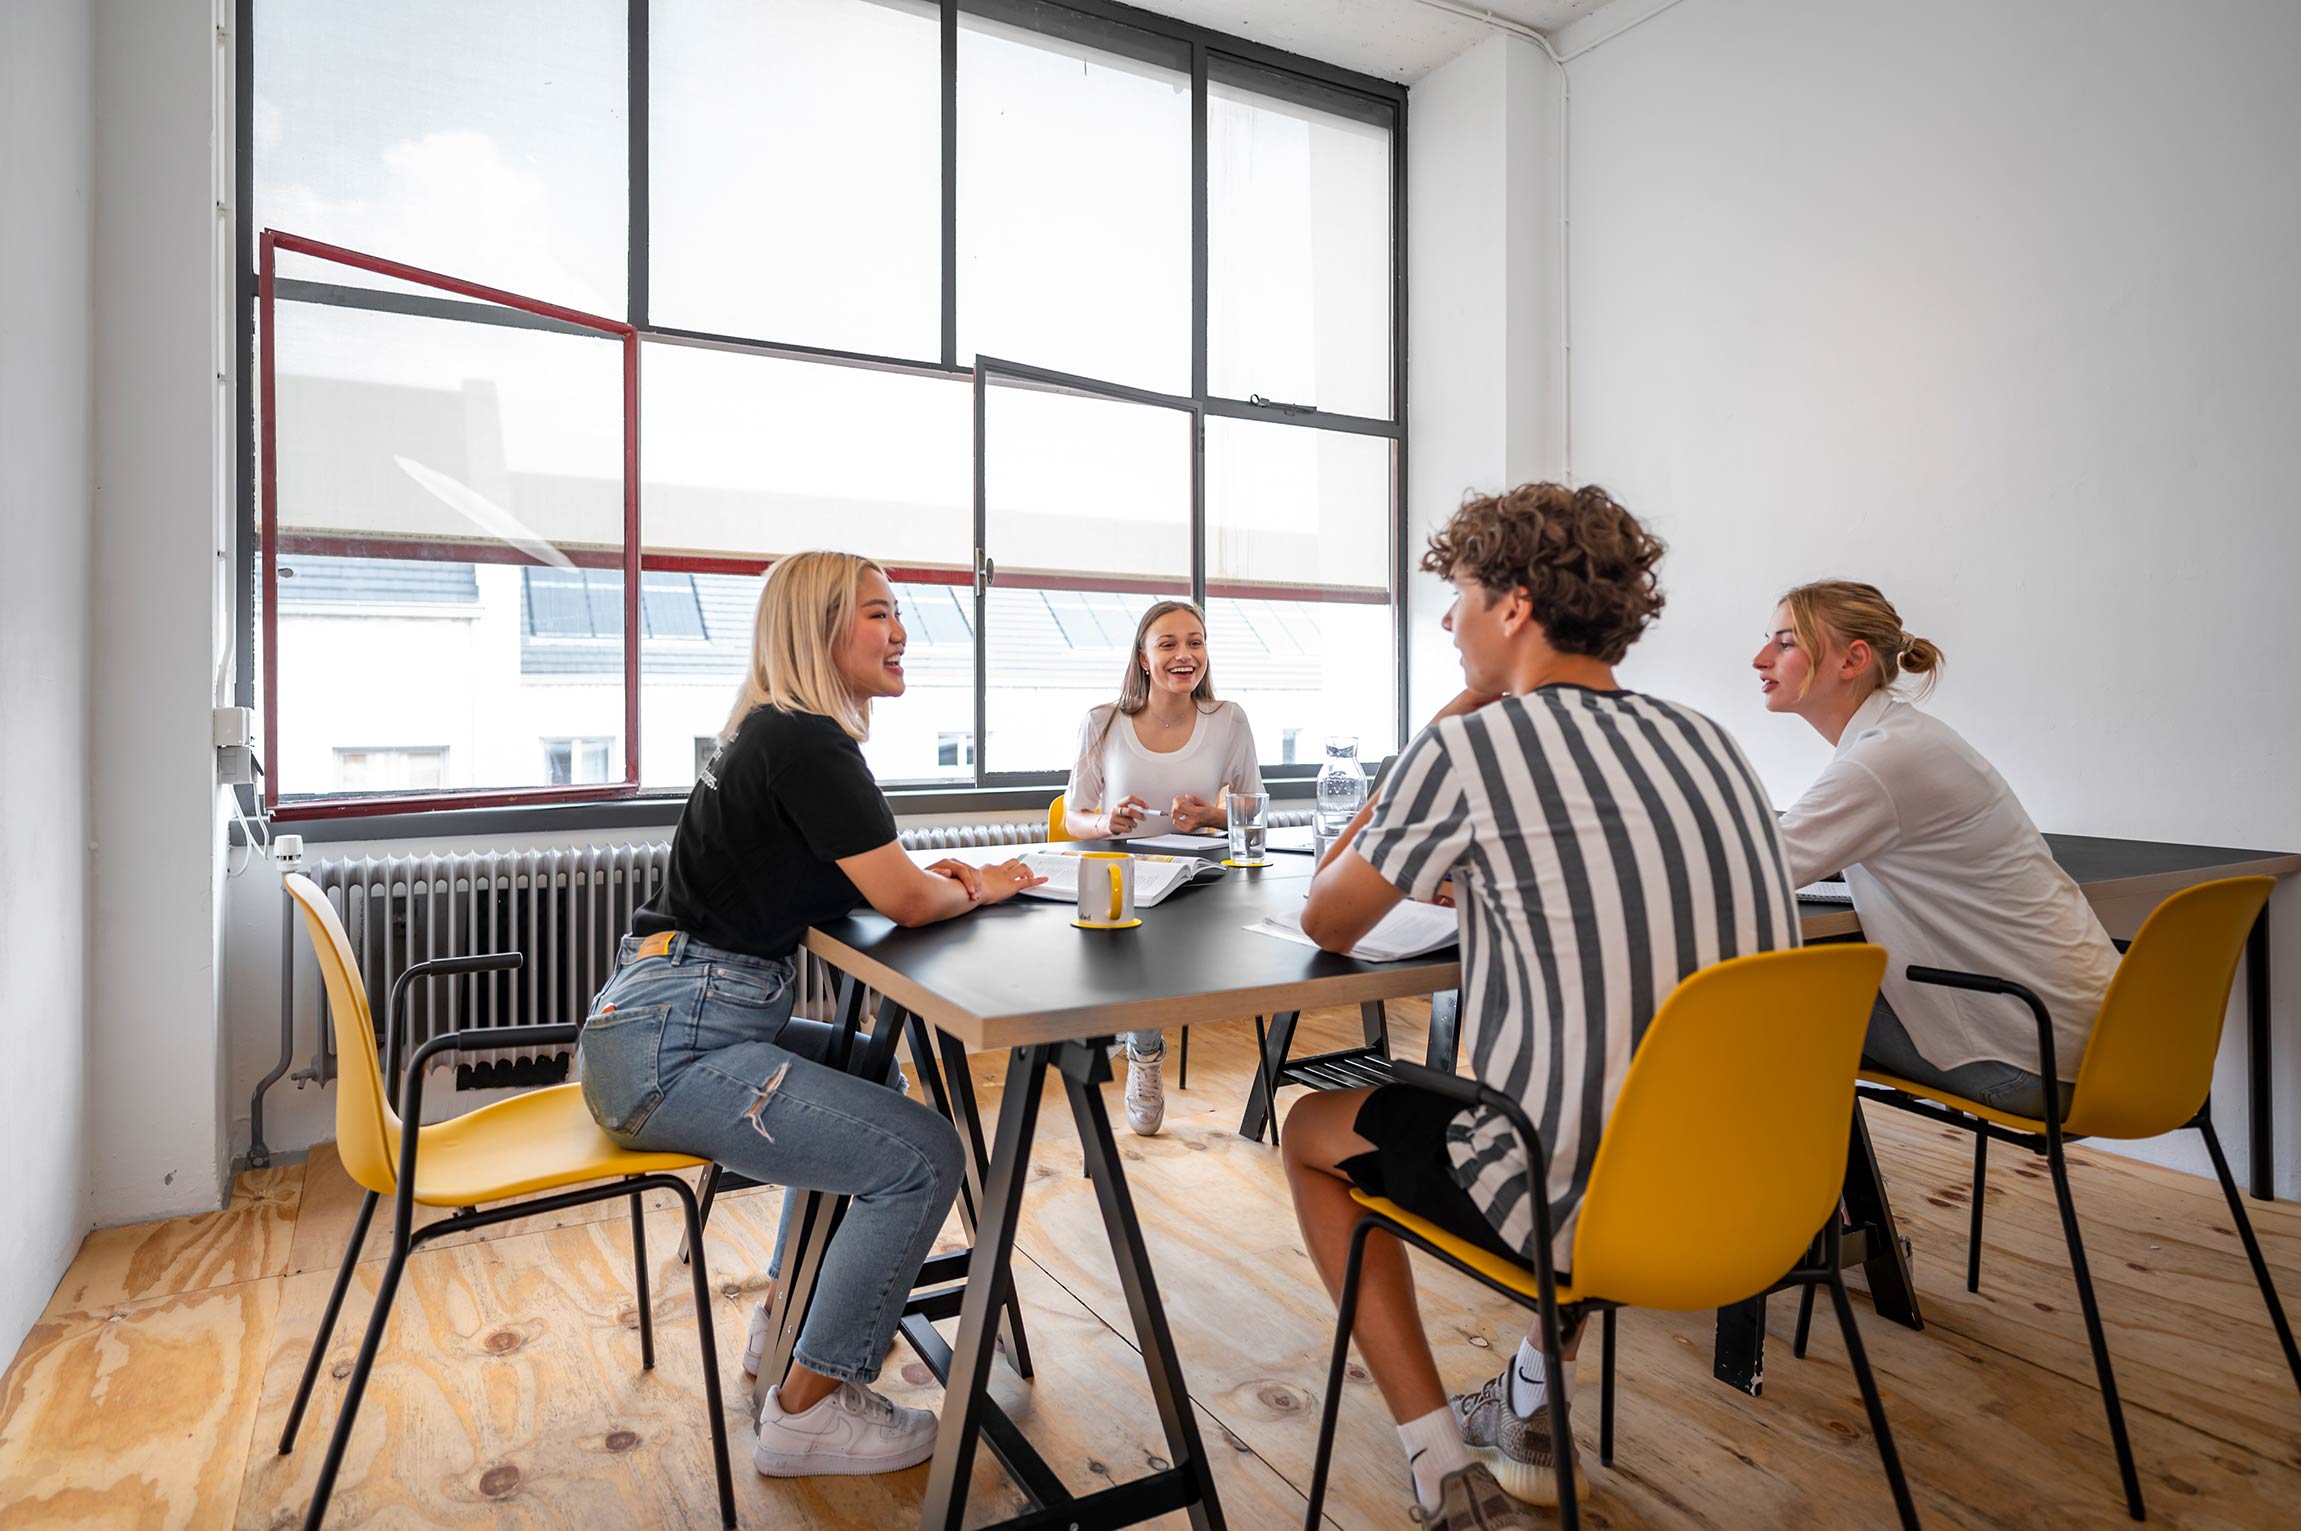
(1518, 1278)
(1954, 1102)
(538, 1141)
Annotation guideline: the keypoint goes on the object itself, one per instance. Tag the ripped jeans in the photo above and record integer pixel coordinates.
(691, 1049)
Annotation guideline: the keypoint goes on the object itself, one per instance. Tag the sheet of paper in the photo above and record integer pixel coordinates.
(1408, 930)
(1183, 842)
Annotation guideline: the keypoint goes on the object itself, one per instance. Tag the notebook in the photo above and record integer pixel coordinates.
(1829, 890)
(1155, 876)
(1408, 930)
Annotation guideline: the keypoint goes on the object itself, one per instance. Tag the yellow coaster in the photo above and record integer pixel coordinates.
(1265, 861)
(1100, 925)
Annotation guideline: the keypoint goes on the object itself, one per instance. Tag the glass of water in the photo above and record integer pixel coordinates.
(1249, 814)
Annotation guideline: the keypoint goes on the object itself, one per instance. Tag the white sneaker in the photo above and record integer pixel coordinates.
(755, 1343)
(1146, 1093)
(852, 1431)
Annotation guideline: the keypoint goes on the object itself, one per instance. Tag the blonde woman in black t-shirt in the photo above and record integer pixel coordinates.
(692, 1047)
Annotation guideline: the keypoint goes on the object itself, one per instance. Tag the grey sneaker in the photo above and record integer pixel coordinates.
(1516, 1451)
(1470, 1500)
(1146, 1093)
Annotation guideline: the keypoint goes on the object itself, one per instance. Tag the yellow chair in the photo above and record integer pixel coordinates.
(539, 1141)
(2147, 1070)
(1720, 1166)
(1057, 829)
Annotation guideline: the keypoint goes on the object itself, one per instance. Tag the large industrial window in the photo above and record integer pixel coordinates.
(580, 313)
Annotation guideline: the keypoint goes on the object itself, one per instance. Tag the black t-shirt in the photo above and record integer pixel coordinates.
(754, 861)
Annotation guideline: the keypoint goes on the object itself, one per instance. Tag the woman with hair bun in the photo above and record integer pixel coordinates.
(1945, 867)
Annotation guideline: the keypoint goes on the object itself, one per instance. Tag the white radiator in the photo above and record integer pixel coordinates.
(565, 909)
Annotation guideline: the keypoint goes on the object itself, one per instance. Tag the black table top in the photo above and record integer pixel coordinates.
(1021, 972)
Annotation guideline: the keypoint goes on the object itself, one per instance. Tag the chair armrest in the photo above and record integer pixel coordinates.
(1986, 983)
(437, 967)
(1472, 1092)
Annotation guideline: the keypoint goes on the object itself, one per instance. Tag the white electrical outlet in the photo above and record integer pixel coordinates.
(233, 726)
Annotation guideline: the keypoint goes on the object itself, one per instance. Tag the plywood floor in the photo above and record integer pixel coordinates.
(152, 1391)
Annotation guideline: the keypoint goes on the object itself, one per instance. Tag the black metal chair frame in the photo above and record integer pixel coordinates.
(2051, 1144)
(406, 1238)
(1553, 1319)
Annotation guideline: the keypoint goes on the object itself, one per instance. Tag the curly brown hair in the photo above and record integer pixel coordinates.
(1584, 562)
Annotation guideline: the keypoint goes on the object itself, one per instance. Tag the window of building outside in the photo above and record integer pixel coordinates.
(452, 550)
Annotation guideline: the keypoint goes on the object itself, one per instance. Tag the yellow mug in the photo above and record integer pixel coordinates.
(1106, 891)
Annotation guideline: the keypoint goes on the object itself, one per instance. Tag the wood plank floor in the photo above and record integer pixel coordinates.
(153, 1390)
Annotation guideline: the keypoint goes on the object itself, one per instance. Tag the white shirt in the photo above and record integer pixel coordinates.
(1218, 754)
(1947, 871)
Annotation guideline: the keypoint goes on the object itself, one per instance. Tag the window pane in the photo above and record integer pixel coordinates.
(1080, 485)
(484, 141)
(909, 733)
(1290, 506)
(1298, 247)
(689, 680)
(795, 172)
(1054, 654)
(754, 456)
(1074, 201)
(427, 470)
(1306, 669)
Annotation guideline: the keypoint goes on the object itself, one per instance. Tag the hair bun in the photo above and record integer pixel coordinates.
(1919, 655)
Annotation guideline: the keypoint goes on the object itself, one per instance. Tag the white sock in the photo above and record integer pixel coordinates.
(1434, 1448)
(1528, 1385)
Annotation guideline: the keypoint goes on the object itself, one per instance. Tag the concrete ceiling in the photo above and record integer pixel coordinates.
(1395, 39)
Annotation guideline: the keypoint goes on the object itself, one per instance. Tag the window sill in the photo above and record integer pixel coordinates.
(661, 811)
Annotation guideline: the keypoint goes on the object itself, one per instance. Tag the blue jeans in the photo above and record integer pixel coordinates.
(1147, 1044)
(691, 1049)
(2000, 1086)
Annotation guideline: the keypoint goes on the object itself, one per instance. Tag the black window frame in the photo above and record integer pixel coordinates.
(1100, 23)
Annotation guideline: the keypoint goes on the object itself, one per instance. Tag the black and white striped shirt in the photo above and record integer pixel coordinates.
(1603, 845)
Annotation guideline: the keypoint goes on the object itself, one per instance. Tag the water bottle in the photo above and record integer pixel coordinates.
(1341, 787)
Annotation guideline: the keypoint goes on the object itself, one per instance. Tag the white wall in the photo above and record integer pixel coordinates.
(1483, 374)
(1994, 306)
(45, 86)
(162, 432)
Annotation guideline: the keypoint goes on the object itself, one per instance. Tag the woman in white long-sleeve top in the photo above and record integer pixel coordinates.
(1159, 757)
(1945, 867)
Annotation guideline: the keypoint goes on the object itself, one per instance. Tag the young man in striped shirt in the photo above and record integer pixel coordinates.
(1600, 845)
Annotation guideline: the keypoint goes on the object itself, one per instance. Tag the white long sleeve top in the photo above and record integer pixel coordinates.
(1112, 764)
(1947, 870)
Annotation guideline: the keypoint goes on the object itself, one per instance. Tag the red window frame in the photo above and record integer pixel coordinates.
(273, 241)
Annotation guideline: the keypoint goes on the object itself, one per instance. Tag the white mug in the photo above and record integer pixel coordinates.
(1106, 891)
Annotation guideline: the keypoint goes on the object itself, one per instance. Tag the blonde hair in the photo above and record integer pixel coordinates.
(1845, 610)
(1134, 686)
(805, 609)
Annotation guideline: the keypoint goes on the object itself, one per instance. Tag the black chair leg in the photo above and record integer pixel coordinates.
(710, 1347)
(1805, 1323)
(1890, 1458)
(639, 1279)
(333, 1462)
(2093, 1333)
(328, 1322)
(2253, 1251)
(1561, 1425)
(1347, 1310)
(1606, 1389)
(1182, 1073)
(710, 1190)
(1980, 1188)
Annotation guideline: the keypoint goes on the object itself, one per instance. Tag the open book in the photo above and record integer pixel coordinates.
(1155, 876)
(1408, 930)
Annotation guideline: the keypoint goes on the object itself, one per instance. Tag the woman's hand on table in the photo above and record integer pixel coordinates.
(1002, 880)
(1191, 812)
(965, 874)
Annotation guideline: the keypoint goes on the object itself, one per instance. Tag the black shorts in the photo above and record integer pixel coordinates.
(1409, 1166)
